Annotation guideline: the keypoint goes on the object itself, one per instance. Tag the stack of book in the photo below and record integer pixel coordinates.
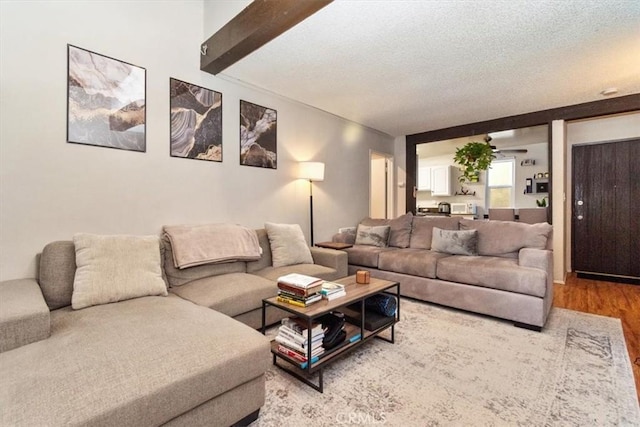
(293, 340)
(298, 289)
(331, 290)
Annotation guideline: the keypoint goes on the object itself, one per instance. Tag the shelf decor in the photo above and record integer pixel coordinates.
(106, 101)
(473, 157)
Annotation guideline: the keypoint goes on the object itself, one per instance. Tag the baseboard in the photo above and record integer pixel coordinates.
(527, 326)
(248, 419)
(607, 278)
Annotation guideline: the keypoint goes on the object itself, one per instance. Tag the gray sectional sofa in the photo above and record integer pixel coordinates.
(190, 358)
(511, 276)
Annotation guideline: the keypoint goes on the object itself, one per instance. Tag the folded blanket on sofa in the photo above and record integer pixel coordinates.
(211, 243)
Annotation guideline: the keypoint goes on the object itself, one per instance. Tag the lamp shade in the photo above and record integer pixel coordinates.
(313, 171)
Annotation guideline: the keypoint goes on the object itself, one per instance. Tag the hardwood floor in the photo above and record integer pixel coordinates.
(606, 299)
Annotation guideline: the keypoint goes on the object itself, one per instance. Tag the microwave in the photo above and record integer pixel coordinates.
(459, 208)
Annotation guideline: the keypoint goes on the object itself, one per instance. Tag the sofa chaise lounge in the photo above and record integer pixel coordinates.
(192, 357)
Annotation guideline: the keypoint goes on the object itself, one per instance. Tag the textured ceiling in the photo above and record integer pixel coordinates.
(405, 67)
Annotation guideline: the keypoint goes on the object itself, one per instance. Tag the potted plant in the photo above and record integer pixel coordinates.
(473, 158)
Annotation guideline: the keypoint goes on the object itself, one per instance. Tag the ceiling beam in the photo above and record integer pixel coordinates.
(258, 24)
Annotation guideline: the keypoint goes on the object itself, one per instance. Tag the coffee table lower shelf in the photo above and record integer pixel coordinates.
(352, 341)
(356, 335)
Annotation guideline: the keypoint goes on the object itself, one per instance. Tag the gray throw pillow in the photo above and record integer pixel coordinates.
(377, 235)
(455, 242)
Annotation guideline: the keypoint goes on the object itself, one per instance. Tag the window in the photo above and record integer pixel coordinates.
(500, 179)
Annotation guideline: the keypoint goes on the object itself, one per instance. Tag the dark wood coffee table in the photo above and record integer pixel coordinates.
(357, 334)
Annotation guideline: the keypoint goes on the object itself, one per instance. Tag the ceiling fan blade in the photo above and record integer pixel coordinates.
(515, 150)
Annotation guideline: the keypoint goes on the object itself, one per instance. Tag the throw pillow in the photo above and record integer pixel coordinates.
(116, 268)
(400, 229)
(288, 245)
(455, 242)
(377, 235)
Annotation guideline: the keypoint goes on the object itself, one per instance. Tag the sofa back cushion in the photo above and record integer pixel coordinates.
(56, 273)
(422, 232)
(400, 229)
(266, 258)
(506, 238)
(178, 277)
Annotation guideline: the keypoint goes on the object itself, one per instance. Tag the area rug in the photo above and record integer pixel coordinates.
(449, 367)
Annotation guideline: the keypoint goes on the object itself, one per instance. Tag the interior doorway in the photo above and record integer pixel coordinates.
(380, 185)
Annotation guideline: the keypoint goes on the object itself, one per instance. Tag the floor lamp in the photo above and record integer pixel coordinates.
(313, 171)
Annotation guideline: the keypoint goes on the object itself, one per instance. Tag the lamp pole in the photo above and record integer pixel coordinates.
(311, 208)
(312, 171)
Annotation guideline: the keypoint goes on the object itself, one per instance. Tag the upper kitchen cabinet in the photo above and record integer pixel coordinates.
(424, 176)
(442, 180)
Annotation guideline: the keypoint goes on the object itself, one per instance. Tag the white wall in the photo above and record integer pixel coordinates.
(50, 189)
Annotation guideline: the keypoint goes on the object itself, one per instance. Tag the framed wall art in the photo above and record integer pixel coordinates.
(106, 101)
(258, 136)
(196, 121)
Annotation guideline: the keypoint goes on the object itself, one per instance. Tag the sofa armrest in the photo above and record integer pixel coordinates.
(331, 258)
(536, 258)
(24, 315)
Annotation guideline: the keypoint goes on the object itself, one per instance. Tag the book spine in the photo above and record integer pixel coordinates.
(290, 344)
(291, 353)
(291, 289)
(291, 301)
(288, 333)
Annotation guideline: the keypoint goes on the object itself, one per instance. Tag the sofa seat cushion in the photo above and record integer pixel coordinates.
(415, 262)
(315, 270)
(230, 294)
(493, 272)
(366, 256)
(139, 362)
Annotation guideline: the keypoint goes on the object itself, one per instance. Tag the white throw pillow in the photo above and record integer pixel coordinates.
(116, 268)
(288, 246)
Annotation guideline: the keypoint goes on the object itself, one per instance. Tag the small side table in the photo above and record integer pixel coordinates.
(334, 245)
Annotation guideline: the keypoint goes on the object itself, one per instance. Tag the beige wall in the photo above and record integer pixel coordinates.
(50, 189)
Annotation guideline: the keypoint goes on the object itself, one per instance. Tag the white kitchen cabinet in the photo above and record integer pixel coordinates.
(442, 180)
(424, 176)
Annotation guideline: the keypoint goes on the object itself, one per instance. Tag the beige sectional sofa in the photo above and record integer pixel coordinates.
(190, 358)
(511, 276)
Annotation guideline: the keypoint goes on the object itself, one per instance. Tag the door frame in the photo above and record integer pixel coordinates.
(389, 188)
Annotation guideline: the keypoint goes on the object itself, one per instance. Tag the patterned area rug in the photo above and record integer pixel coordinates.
(449, 367)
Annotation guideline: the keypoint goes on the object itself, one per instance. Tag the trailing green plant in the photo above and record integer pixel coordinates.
(542, 203)
(473, 157)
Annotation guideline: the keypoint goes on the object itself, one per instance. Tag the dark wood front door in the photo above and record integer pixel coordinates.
(606, 208)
